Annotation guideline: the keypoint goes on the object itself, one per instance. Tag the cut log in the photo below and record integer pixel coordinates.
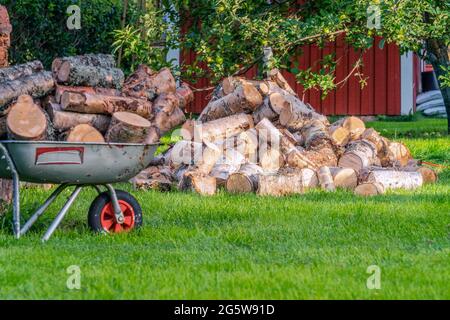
(84, 133)
(326, 179)
(101, 104)
(264, 111)
(324, 156)
(248, 145)
(126, 127)
(315, 135)
(358, 155)
(184, 95)
(271, 160)
(166, 102)
(26, 120)
(369, 189)
(280, 184)
(95, 60)
(81, 75)
(400, 152)
(393, 179)
(152, 136)
(428, 175)
(271, 136)
(187, 129)
(36, 85)
(339, 135)
(222, 171)
(60, 89)
(65, 120)
(354, 125)
(145, 83)
(165, 122)
(276, 76)
(224, 128)
(199, 183)
(308, 176)
(344, 177)
(244, 99)
(185, 153)
(298, 114)
(20, 70)
(154, 178)
(210, 156)
(278, 102)
(245, 180)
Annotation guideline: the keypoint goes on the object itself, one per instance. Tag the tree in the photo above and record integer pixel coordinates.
(229, 35)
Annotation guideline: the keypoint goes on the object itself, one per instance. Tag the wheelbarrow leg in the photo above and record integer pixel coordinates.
(115, 202)
(62, 213)
(42, 208)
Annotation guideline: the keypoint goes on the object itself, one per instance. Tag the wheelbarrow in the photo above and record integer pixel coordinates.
(77, 165)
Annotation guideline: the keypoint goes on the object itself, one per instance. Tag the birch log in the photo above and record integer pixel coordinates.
(245, 180)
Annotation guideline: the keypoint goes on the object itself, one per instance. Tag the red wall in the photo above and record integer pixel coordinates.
(381, 95)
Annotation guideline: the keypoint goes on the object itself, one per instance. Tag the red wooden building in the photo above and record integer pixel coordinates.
(391, 89)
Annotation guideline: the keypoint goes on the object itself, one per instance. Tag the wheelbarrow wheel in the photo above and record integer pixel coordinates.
(101, 216)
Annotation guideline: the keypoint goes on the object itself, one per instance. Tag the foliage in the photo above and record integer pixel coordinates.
(40, 30)
(147, 41)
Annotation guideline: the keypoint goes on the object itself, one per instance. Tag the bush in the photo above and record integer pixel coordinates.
(40, 31)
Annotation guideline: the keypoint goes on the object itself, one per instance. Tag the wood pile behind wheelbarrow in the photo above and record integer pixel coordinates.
(87, 99)
(258, 136)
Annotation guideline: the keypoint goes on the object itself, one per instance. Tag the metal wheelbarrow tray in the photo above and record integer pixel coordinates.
(79, 165)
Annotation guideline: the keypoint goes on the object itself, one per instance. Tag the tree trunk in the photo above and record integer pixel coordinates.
(199, 183)
(127, 127)
(245, 180)
(245, 98)
(20, 70)
(145, 83)
(82, 75)
(281, 184)
(438, 56)
(65, 120)
(223, 128)
(36, 85)
(101, 104)
(84, 133)
(26, 120)
(394, 179)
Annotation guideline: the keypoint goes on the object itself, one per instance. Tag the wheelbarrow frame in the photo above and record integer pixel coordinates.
(79, 185)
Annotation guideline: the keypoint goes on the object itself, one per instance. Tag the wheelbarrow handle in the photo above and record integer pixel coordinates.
(16, 190)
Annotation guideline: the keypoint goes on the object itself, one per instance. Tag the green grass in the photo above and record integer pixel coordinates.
(310, 246)
(420, 127)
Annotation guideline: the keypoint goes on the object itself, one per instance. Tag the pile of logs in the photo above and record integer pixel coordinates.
(87, 99)
(258, 136)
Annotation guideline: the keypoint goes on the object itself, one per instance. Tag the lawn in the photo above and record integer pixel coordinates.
(316, 245)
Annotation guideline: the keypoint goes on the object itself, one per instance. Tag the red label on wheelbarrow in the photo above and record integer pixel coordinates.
(59, 156)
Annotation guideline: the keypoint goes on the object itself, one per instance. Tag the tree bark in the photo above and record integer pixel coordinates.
(245, 98)
(84, 133)
(20, 70)
(245, 180)
(358, 155)
(90, 76)
(222, 171)
(393, 179)
(102, 104)
(223, 128)
(65, 120)
(127, 127)
(281, 184)
(344, 177)
(36, 85)
(199, 183)
(326, 179)
(26, 120)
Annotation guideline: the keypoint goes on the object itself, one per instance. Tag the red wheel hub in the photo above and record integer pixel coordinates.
(108, 218)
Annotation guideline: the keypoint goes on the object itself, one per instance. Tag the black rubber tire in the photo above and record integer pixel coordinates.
(95, 210)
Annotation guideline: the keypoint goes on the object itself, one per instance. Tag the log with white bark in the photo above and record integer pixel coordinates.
(244, 98)
(245, 180)
(358, 155)
(428, 175)
(26, 120)
(65, 120)
(221, 129)
(308, 176)
(248, 145)
(102, 104)
(281, 184)
(185, 153)
(400, 153)
(36, 85)
(210, 156)
(81, 75)
(84, 133)
(326, 179)
(298, 114)
(354, 125)
(20, 70)
(199, 183)
(369, 189)
(95, 60)
(264, 111)
(344, 177)
(148, 84)
(276, 76)
(271, 160)
(127, 127)
(394, 179)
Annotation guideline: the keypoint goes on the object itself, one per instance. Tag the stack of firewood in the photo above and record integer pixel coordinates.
(258, 136)
(86, 99)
